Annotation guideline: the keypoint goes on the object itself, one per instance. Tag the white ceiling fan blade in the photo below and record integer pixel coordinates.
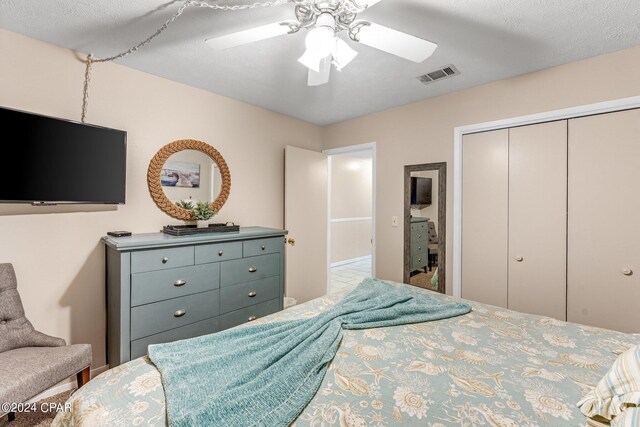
(366, 3)
(394, 42)
(252, 35)
(322, 76)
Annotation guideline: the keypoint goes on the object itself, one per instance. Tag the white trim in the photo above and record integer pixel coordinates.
(458, 133)
(351, 149)
(329, 235)
(351, 261)
(374, 171)
(344, 150)
(66, 385)
(363, 218)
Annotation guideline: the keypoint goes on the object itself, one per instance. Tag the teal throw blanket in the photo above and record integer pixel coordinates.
(265, 375)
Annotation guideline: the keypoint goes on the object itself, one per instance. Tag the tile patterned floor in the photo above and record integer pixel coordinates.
(350, 275)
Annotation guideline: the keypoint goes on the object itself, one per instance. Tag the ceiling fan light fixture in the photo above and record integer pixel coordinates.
(320, 42)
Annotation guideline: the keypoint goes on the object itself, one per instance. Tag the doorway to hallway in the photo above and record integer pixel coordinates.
(351, 213)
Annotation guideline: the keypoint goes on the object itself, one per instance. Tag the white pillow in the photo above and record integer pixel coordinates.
(618, 392)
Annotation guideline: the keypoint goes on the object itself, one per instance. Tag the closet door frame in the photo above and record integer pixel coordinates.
(459, 132)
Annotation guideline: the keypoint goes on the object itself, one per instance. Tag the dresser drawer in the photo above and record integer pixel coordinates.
(419, 226)
(247, 294)
(262, 246)
(161, 316)
(161, 259)
(249, 314)
(176, 282)
(218, 252)
(419, 247)
(249, 269)
(419, 261)
(209, 326)
(419, 236)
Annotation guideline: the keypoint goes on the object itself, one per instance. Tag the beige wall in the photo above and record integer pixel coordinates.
(351, 197)
(57, 251)
(423, 132)
(350, 240)
(430, 211)
(351, 187)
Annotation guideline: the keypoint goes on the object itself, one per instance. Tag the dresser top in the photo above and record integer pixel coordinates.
(151, 240)
(419, 219)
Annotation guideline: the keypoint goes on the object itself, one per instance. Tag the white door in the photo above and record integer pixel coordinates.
(537, 268)
(305, 216)
(604, 235)
(485, 217)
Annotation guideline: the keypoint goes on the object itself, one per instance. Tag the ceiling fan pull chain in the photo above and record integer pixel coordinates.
(85, 89)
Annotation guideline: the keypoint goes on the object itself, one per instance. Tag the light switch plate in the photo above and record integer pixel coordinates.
(394, 221)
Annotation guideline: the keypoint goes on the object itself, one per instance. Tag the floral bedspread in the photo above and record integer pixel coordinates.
(491, 367)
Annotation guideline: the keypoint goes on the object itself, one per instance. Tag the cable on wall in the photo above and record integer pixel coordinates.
(90, 60)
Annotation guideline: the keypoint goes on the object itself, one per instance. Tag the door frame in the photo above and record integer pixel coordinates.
(441, 168)
(346, 150)
(550, 116)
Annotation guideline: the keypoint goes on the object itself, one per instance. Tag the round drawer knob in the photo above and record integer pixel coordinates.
(519, 259)
(179, 313)
(179, 283)
(252, 294)
(220, 253)
(627, 271)
(253, 269)
(251, 319)
(165, 260)
(263, 247)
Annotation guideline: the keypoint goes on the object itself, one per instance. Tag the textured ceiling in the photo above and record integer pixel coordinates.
(486, 40)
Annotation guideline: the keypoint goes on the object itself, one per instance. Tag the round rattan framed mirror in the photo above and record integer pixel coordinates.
(188, 169)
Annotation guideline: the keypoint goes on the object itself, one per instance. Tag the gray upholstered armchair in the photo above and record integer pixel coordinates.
(30, 361)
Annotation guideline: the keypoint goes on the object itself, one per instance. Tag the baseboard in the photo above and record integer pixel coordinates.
(349, 261)
(68, 384)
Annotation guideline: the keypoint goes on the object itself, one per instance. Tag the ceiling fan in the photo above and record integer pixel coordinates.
(325, 19)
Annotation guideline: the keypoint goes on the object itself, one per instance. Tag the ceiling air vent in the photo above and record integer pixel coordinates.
(443, 73)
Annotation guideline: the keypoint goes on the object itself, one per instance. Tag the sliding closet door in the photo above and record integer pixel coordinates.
(485, 175)
(538, 219)
(604, 224)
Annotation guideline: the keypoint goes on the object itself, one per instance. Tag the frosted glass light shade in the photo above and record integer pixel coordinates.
(343, 54)
(320, 41)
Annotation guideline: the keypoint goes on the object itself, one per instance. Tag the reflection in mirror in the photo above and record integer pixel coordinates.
(425, 187)
(191, 175)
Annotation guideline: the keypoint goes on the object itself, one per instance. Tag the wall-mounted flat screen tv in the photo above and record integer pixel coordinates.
(420, 191)
(47, 161)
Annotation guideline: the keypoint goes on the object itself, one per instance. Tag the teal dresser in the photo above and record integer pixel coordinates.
(419, 243)
(163, 288)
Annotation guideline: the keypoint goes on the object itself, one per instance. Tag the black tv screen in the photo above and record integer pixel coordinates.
(420, 191)
(48, 160)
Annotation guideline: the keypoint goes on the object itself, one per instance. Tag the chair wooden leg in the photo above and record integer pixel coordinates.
(84, 376)
(11, 416)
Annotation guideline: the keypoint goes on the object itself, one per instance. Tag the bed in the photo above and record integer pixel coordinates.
(491, 367)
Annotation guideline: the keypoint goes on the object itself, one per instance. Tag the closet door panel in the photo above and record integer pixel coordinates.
(485, 174)
(538, 219)
(604, 229)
